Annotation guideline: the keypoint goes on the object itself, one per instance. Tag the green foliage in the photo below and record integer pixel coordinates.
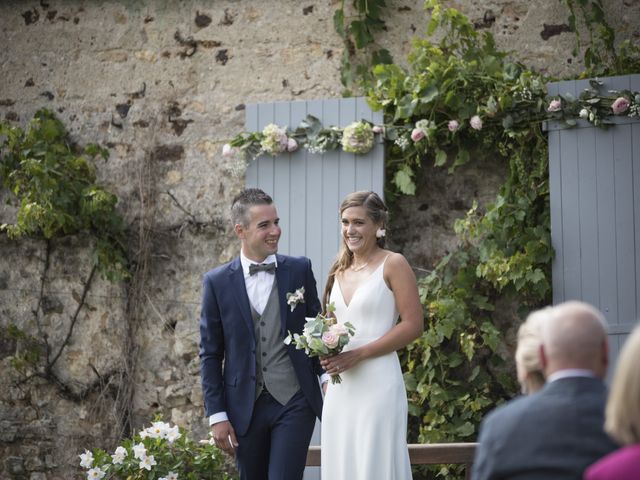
(454, 373)
(357, 33)
(601, 55)
(28, 351)
(55, 186)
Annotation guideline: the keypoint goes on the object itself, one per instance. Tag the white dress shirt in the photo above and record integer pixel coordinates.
(259, 284)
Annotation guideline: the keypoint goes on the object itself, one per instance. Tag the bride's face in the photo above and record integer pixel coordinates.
(358, 230)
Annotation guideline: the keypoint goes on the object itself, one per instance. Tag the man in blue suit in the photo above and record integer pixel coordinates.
(555, 433)
(261, 396)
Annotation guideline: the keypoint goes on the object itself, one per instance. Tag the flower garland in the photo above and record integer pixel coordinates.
(358, 137)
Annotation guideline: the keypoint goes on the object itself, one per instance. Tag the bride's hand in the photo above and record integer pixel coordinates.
(342, 362)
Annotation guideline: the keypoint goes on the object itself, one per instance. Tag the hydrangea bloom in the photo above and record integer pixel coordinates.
(357, 138)
(274, 139)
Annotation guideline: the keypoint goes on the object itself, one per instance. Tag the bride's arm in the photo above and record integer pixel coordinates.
(402, 282)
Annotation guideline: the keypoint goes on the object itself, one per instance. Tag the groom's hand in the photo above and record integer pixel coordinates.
(225, 437)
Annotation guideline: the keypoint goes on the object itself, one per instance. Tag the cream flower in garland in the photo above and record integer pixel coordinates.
(357, 138)
(274, 139)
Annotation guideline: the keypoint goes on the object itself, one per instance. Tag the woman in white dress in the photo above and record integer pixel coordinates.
(364, 418)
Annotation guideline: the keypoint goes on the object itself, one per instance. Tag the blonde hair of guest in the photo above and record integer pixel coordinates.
(530, 374)
(623, 407)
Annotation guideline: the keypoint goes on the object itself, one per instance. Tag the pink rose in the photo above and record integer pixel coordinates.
(377, 129)
(620, 105)
(417, 134)
(476, 122)
(292, 145)
(227, 150)
(338, 329)
(554, 106)
(453, 125)
(330, 339)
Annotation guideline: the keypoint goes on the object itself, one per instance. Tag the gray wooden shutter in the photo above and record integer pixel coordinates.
(308, 188)
(594, 179)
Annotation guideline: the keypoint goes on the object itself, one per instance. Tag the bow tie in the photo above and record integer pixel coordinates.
(262, 267)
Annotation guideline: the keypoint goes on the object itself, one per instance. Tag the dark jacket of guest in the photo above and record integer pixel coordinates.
(553, 434)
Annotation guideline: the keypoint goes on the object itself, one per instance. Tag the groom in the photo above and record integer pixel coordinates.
(261, 396)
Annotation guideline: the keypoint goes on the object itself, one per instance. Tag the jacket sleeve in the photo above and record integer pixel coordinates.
(313, 307)
(484, 459)
(211, 350)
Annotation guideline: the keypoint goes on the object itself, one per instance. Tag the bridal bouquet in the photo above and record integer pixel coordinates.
(322, 335)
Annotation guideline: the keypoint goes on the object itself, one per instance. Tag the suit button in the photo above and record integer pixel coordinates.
(262, 324)
(264, 369)
(264, 339)
(264, 354)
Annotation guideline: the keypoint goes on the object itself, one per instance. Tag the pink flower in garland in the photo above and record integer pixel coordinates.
(620, 106)
(292, 145)
(453, 125)
(417, 134)
(555, 106)
(476, 122)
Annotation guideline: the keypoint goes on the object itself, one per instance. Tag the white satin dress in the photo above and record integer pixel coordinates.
(364, 418)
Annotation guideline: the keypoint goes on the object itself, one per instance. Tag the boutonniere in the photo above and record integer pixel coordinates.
(294, 298)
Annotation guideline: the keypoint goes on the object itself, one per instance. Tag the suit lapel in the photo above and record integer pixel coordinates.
(282, 276)
(239, 290)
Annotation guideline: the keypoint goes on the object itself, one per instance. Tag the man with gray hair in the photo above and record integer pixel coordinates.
(557, 432)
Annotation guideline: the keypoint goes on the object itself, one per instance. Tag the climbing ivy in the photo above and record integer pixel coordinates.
(53, 183)
(469, 101)
(358, 34)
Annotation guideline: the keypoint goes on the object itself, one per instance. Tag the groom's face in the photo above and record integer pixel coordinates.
(260, 236)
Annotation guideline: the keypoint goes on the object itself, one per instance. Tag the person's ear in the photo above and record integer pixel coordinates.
(542, 356)
(239, 230)
(605, 354)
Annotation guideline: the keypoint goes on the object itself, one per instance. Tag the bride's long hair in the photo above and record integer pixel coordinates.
(376, 211)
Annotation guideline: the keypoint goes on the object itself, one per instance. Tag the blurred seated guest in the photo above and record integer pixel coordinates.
(529, 369)
(557, 432)
(622, 417)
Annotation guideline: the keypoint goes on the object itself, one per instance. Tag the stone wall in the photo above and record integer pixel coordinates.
(162, 84)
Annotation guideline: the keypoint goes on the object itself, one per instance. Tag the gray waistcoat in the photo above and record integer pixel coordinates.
(274, 369)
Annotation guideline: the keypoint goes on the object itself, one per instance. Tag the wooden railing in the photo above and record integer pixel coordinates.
(424, 454)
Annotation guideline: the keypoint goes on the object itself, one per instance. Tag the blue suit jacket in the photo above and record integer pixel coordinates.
(553, 434)
(227, 337)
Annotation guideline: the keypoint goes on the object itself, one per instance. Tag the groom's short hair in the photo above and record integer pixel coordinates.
(243, 201)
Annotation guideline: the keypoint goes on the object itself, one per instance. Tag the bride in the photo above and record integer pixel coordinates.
(364, 418)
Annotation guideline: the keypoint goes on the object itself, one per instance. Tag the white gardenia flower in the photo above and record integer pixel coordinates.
(172, 434)
(96, 473)
(139, 451)
(584, 113)
(172, 476)
(158, 430)
(86, 459)
(119, 455)
(148, 462)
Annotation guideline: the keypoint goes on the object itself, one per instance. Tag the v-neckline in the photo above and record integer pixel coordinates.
(344, 301)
